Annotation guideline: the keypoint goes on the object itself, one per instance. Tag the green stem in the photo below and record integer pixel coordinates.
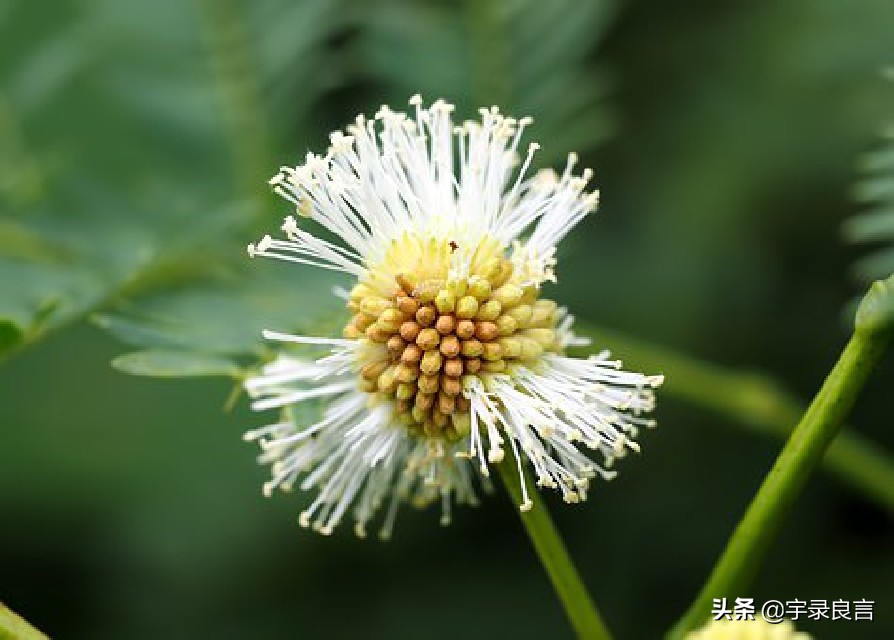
(755, 402)
(554, 557)
(14, 627)
(490, 85)
(799, 457)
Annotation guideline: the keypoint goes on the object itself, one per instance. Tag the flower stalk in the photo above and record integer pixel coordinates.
(551, 551)
(800, 456)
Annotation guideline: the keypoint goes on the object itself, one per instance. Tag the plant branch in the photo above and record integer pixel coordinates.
(755, 402)
(553, 555)
(801, 454)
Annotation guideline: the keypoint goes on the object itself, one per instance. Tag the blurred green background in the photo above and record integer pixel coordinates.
(135, 141)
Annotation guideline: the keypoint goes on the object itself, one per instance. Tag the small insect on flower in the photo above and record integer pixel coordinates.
(449, 355)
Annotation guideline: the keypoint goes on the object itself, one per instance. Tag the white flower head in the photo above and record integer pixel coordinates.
(450, 355)
(758, 629)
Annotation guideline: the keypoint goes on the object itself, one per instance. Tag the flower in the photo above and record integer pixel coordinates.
(450, 355)
(758, 629)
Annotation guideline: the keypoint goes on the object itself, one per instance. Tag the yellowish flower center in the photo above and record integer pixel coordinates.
(427, 334)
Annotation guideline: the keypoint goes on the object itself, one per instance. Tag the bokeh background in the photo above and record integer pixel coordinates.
(135, 141)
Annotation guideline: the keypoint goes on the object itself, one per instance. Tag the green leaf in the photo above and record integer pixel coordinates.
(228, 317)
(36, 296)
(175, 364)
(21, 241)
(59, 272)
(872, 226)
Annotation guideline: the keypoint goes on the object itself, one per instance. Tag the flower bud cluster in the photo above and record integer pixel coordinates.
(432, 338)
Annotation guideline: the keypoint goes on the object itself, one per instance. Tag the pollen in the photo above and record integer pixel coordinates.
(428, 338)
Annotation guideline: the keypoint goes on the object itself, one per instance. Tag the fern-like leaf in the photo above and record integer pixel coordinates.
(874, 227)
(132, 140)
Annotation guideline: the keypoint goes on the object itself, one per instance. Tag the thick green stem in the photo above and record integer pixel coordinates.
(752, 401)
(14, 627)
(554, 557)
(799, 457)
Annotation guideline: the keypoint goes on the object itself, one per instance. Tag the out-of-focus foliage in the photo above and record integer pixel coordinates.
(140, 141)
(528, 57)
(135, 142)
(875, 226)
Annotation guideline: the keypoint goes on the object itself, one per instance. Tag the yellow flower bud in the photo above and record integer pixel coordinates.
(467, 307)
